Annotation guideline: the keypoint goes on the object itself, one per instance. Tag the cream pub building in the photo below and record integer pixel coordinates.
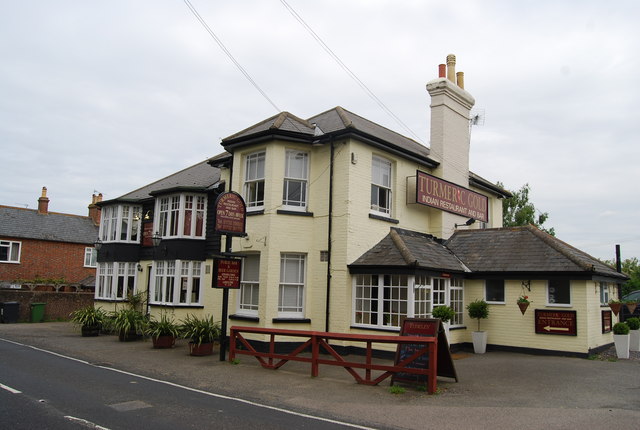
(352, 227)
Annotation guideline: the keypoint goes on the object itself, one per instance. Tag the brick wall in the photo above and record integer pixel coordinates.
(58, 305)
(49, 260)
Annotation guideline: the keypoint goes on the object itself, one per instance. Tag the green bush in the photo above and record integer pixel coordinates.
(88, 317)
(164, 326)
(478, 309)
(620, 328)
(445, 313)
(200, 330)
(633, 323)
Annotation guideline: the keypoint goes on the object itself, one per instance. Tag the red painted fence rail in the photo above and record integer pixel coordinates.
(317, 340)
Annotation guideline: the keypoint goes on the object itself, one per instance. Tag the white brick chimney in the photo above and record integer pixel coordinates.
(450, 112)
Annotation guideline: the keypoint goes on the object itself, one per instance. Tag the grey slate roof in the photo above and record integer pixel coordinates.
(28, 224)
(201, 176)
(402, 248)
(522, 249)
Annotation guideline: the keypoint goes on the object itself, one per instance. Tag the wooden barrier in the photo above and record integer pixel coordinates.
(316, 340)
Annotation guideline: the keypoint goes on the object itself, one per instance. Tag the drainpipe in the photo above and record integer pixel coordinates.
(329, 239)
(619, 270)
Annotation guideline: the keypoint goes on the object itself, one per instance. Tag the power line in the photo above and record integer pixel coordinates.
(351, 74)
(228, 54)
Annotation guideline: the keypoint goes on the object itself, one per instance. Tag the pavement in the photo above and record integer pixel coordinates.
(496, 390)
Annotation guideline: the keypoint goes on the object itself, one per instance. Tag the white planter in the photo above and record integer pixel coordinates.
(622, 345)
(634, 340)
(479, 341)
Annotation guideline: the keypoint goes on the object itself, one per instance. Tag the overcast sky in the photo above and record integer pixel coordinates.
(112, 95)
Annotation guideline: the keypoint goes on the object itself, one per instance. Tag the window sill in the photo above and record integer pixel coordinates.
(558, 305)
(101, 299)
(458, 327)
(175, 305)
(244, 318)
(9, 262)
(256, 212)
(384, 218)
(496, 303)
(298, 213)
(386, 329)
(291, 320)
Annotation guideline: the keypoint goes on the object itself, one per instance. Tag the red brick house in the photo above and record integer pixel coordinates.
(43, 245)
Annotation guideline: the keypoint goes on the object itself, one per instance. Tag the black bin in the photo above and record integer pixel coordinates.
(9, 312)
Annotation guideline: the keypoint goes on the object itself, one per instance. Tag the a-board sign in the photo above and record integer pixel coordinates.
(428, 327)
(231, 214)
(226, 272)
(606, 321)
(561, 323)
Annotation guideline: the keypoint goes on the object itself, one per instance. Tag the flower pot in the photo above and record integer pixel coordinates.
(200, 350)
(634, 340)
(523, 307)
(479, 341)
(621, 342)
(90, 330)
(631, 307)
(163, 342)
(128, 335)
(615, 308)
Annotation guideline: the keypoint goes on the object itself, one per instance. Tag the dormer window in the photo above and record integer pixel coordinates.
(181, 215)
(120, 223)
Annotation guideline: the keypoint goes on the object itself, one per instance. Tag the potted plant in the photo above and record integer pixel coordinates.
(445, 314)
(523, 303)
(634, 333)
(631, 305)
(128, 323)
(202, 332)
(89, 319)
(621, 339)
(615, 306)
(163, 332)
(479, 309)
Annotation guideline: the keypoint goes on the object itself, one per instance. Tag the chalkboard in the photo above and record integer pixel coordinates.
(426, 327)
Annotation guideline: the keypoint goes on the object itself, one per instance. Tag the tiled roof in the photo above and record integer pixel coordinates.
(282, 121)
(199, 176)
(28, 224)
(522, 249)
(409, 248)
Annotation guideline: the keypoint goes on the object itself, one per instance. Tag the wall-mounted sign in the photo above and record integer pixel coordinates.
(226, 272)
(606, 321)
(231, 214)
(556, 322)
(147, 233)
(447, 196)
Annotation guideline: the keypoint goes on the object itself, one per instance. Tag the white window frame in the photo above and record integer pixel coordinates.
(179, 212)
(174, 282)
(90, 257)
(374, 297)
(249, 292)
(550, 291)
(295, 175)
(486, 293)
(381, 182)
(288, 285)
(121, 223)
(14, 250)
(254, 180)
(112, 275)
(605, 293)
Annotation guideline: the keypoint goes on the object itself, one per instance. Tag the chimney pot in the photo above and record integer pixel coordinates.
(442, 70)
(451, 67)
(460, 79)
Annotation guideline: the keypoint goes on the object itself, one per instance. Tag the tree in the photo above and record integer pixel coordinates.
(631, 267)
(518, 210)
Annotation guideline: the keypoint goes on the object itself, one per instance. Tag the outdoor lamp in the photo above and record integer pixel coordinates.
(156, 239)
(97, 244)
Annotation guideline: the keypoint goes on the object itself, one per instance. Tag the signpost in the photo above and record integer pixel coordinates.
(231, 220)
(556, 322)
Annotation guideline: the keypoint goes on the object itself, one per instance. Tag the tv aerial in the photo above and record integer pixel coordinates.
(476, 117)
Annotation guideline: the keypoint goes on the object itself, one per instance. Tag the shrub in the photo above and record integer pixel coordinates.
(165, 326)
(478, 309)
(200, 330)
(633, 323)
(620, 328)
(445, 313)
(88, 317)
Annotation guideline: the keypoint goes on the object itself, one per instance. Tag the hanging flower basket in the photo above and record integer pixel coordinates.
(615, 307)
(523, 307)
(631, 306)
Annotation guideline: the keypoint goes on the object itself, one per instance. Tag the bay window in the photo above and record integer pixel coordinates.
(116, 280)
(382, 301)
(177, 282)
(248, 297)
(254, 180)
(120, 223)
(181, 216)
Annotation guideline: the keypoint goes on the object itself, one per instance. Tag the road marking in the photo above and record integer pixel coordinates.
(85, 423)
(9, 389)
(195, 390)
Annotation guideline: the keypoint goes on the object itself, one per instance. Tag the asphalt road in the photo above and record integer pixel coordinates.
(45, 391)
